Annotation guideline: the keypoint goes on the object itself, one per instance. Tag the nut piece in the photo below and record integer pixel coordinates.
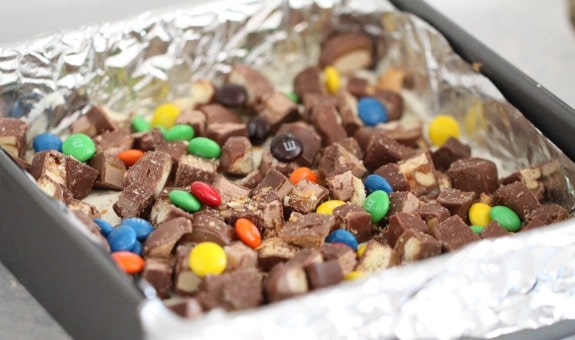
(420, 174)
(347, 52)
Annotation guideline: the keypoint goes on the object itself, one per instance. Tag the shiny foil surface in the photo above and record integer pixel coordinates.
(489, 288)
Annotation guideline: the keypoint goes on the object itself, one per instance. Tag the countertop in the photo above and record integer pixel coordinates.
(536, 37)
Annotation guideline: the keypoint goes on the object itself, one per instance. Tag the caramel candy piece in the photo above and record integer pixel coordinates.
(396, 179)
(175, 149)
(517, 197)
(135, 200)
(400, 222)
(158, 273)
(414, 246)
(236, 157)
(188, 308)
(432, 213)
(346, 187)
(474, 174)
(194, 118)
(161, 242)
(451, 151)
(392, 79)
(217, 114)
(110, 171)
(95, 122)
(278, 109)
(221, 132)
(544, 215)
(238, 290)
(13, 136)
(49, 164)
(274, 250)
(494, 230)
(240, 256)
(114, 142)
(257, 85)
(347, 52)
(325, 119)
(355, 219)
(309, 81)
(305, 196)
(336, 160)
(208, 228)
(273, 212)
(420, 174)
(307, 230)
(190, 168)
(152, 170)
(404, 202)
(229, 191)
(454, 233)
(323, 274)
(345, 256)
(276, 181)
(456, 201)
(243, 207)
(308, 137)
(285, 281)
(381, 150)
(393, 102)
(377, 256)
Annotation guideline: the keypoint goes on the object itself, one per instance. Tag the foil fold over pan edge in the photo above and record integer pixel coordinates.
(489, 288)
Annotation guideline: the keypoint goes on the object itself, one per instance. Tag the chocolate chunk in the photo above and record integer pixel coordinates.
(186, 282)
(284, 282)
(231, 95)
(86, 208)
(240, 256)
(544, 215)
(396, 179)
(13, 136)
(406, 132)
(305, 257)
(238, 290)
(346, 187)
(161, 242)
(273, 213)
(278, 109)
(474, 174)
(352, 146)
(433, 213)
(277, 181)
(381, 150)
(188, 308)
(258, 130)
(323, 274)
(377, 256)
(93, 228)
(269, 162)
(194, 118)
(393, 102)
(80, 178)
(347, 52)
(135, 200)
(404, 202)
(274, 250)
(175, 149)
(309, 138)
(285, 147)
(229, 191)
(420, 174)
(456, 201)
(337, 160)
(221, 132)
(236, 157)
(251, 180)
(364, 134)
(517, 197)
(454, 233)
(355, 219)
(307, 230)
(400, 222)
(50, 164)
(243, 207)
(310, 100)
(152, 170)
(309, 81)
(158, 273)
(149, 140)
(325, 119)
(114, 142)
(163, 210)
(95, 122)
(359, 87)
(208, 228)
(256, 84)
(305, 196)
(414, 246)
(343, 255)
(494, 230)
(54, 189)
(190, 168)
(451, 151)
(217, 114)
(110, 171)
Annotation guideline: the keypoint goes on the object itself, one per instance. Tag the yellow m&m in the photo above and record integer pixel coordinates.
(207, 258)
(441, 128)
(165, 116)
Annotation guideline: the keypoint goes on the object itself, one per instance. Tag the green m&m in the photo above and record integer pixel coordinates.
(377, 205)
(506, 217)
(79, 146)
(180, 132)
(139, 124)
(184, 200)
(204, 147)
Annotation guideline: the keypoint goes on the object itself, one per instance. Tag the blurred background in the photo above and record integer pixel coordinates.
(535, 36)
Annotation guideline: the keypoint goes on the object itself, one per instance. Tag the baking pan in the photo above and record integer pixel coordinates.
(80, 286)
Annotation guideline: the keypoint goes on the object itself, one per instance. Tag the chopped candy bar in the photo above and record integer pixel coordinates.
(355, 219)
(420, 175)
(305, 196)
(95, 122)
(309, 81)
(110, 171)
(240, 256)
(377, 256)
(414, 246)
(285, 281)
(236, 157)
(278, 109)
(158, 272)
(346, 187)
(218, 114)
(190, 168)
(307, 230)
(163, 239)
(517, 197)
(347, 52)
(453, 233)
(13, 136)
(451, 151)
(255, 83)
(401, 222)
(494, 230)
(345, 256)
(336, 160)
(152, 170)
(114, 142)
(325, 119)
(474, 174)
(456, 201)
(274, 250)
(309, 138)
(323, 274)
(208, 228)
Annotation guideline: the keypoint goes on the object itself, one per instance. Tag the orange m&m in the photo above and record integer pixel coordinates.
(248, 233)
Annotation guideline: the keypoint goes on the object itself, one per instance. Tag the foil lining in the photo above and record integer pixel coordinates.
(489, 288)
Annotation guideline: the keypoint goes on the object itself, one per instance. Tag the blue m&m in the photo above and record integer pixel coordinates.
(342, 236)
(105, 226)
(371, 111)
(142, 227)
(47, 141)
(122, 237)
(376, 182)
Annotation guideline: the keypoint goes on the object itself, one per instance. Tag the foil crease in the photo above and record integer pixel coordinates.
(489, 288)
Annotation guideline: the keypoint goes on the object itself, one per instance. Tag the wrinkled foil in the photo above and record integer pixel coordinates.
(489, 288)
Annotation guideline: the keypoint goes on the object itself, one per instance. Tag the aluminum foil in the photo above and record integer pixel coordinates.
(489, 288)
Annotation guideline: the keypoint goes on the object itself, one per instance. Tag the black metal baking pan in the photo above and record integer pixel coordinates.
(81, 288)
